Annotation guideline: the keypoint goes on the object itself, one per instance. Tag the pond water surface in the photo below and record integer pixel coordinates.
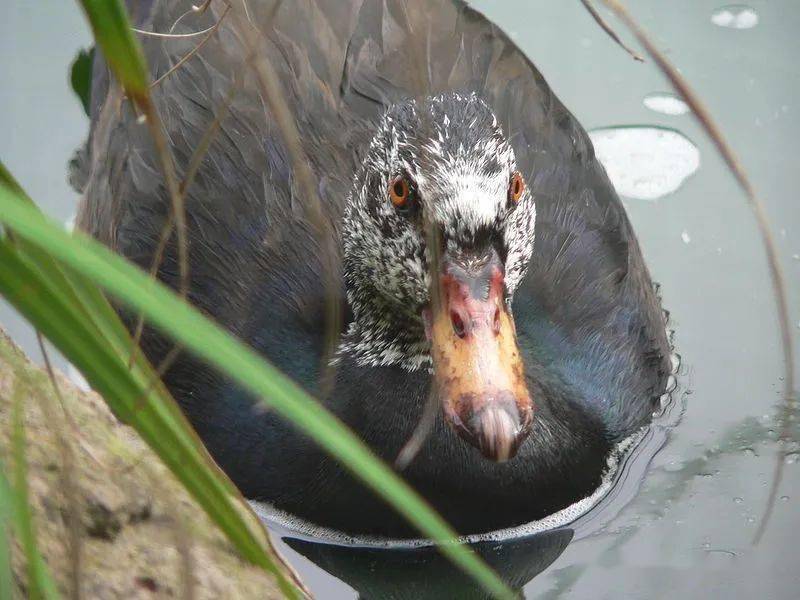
(680, 519)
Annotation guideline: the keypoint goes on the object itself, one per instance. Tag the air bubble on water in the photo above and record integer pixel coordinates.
(685, 237)
(749, 452)
(674, 466)
(738, 500)
(751, 519)
(645, 162)
(792, 458)
(735, 16)
(666, 104)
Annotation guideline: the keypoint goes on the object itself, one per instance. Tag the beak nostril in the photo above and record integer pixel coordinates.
(458, 324)
(496, 321)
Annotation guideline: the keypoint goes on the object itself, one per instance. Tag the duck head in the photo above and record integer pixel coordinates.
(437, 234)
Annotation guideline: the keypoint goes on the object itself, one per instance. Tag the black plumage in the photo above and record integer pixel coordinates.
(589, 325)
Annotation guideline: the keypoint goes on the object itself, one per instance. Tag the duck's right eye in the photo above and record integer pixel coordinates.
(399, 192)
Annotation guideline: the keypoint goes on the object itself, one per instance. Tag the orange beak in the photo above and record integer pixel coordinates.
(476, 360)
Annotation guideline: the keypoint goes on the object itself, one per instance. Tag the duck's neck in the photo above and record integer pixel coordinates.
(383, 334)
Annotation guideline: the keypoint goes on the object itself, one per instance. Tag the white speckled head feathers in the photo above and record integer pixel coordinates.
(452, 150)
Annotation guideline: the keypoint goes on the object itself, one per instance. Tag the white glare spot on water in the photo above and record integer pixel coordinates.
(685, 237)
(667, 104)
(645, 163)
(736, 16)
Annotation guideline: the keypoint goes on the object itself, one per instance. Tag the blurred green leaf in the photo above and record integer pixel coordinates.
(40, 583)
(80, 77)
(112, 32)
(73, 313)
(6, 521)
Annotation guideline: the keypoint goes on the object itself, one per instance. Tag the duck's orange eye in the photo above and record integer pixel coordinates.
(516, 187)
(398, 191)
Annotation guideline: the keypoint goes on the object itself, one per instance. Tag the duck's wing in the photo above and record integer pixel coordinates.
(251, 244)
(586, 308)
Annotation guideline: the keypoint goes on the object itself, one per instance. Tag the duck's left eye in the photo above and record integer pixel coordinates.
(399, 192)
(516, 187)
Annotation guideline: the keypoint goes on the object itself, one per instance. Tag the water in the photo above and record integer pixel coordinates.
(670, 526)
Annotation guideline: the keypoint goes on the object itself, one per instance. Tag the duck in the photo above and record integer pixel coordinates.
(478, 258)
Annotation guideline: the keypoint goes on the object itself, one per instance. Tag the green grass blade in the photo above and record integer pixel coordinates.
(217, 347)
(6, 509)
(10, 515)
(172, 439)
(73, 313)
(40, 583)
(87, 301)
(112, 31)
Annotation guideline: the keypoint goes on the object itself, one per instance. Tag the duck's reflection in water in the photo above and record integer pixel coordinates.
(384, 572)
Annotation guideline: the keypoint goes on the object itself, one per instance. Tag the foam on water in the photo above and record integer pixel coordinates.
(735, 16)
(645, 162)
(306, 529)
(665, 103)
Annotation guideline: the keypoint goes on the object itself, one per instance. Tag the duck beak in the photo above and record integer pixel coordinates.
(477, 364)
